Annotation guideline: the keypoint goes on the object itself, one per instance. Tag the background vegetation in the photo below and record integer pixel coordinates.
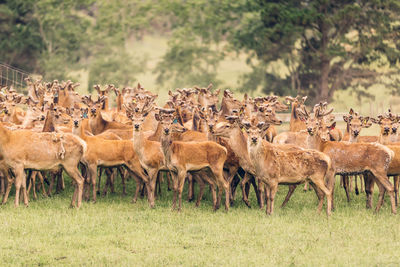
(313, 48)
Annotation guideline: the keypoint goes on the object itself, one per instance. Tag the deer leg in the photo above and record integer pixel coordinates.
(2, 184)
(99, 184)
(113, 178)
(60, 182)
(306, 186)
(29, 179)
(139, 185)
(235, 182)
(190, 187)
(320, 185)
(273, 188)
(8, 188)
(245, 180)
(346, 186)
(201, 184)
(108, 173)
(289, 194)
(123, 179)
(356, 184)
(369, 189)
(92, 169)
(396, 189)
(153, 184)
(52, 180)
(175, 188)
(78, 181)
(33, 183)
(181, 183)
(158, 183)
(42, 183)
(380, 197)
(362, 184)
(256, 191)
(320, 196)
(19, 179)
(262, 193)
(350, 183)
(383, 179)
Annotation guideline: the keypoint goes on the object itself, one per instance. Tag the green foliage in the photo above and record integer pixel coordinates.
(325, 45)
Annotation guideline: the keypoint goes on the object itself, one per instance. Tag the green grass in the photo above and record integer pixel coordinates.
(114, 232)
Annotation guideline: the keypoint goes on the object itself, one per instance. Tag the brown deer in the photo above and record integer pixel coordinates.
(182, 157)
(296, 123)
(275, 164)
(353, 158)
(107, 153)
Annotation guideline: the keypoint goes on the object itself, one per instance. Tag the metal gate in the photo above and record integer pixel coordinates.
(12, 77)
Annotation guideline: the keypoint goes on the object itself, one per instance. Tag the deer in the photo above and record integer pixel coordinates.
(354, 125)
(352, 158)
(182, 157)
(276, 164)
(296, 124)
(47, 151)
(107, 153)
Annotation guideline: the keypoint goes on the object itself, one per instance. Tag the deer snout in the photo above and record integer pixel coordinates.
(254, 139)
(386, 129)
(136, 126)
(42, 118)
(309, 130)
(356, 133)
(76, 123)
(166, 130)
(394, 129)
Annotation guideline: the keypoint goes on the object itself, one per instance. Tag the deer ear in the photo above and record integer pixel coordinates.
(346, 118)
(366, 123)
(351, 112)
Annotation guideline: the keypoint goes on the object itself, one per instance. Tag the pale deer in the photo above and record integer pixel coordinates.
(47, 151)
(275, 164)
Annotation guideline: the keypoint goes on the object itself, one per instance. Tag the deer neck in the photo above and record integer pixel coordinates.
(138, 143)
(238, 143)
(120, 102)
(353, 139)
(166, 142)
(384, 139)
(257, 154)
(49, 122)
(97, 124)
(293, 114)
(79, 131)
(314, 142)
(4, 134)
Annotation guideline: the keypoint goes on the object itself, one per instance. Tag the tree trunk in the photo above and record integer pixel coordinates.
(323, 90)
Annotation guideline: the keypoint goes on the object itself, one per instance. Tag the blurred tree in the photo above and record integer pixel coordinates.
(325, 45)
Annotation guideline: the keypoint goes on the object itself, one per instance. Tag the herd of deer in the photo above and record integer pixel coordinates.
(54, 129)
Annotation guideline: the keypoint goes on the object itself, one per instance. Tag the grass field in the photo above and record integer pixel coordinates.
(114, 232)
